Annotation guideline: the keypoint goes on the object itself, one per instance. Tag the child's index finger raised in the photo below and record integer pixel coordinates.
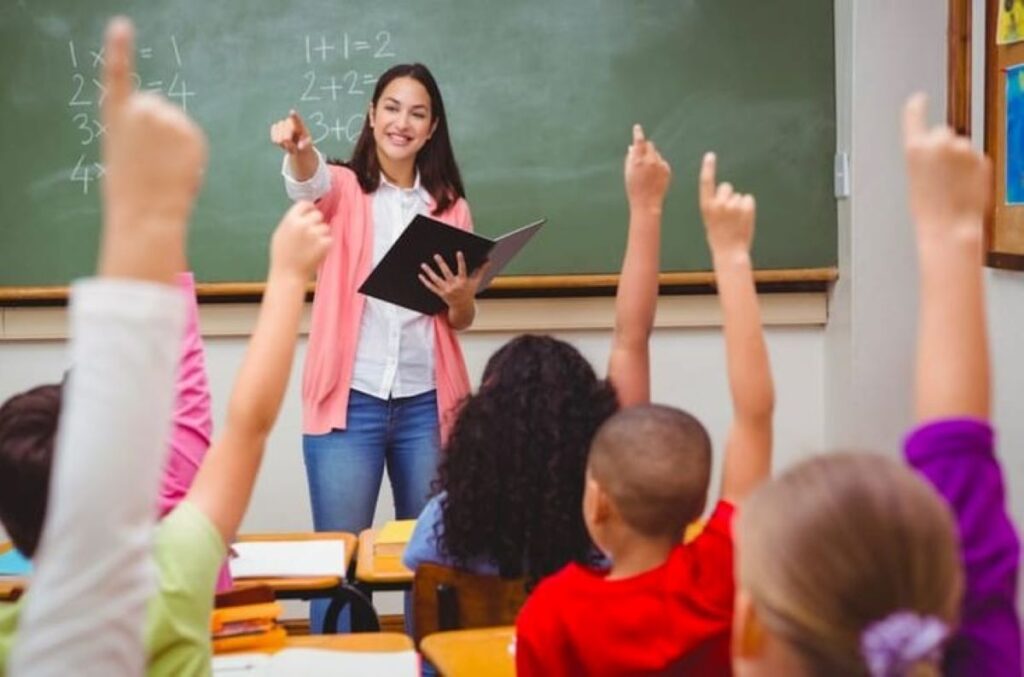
(118, 64)
(707, 178)
(638, 134)
(915, 116)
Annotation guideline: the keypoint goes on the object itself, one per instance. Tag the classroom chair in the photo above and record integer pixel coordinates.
(449, 599)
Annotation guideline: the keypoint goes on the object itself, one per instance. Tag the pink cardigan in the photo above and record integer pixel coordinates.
(338, 311)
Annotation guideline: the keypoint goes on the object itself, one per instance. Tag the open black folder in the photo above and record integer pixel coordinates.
(396, 277)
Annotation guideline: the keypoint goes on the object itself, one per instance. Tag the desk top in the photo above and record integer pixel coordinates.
(369, 642)
(308, 583)
(370, 569)
(485, 651)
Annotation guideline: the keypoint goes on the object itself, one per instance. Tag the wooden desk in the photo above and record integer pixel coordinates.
(335, 588)
(375, 642)
(379, 573)
(472, 652)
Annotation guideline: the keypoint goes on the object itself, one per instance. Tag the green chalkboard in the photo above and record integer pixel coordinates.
(541, 96)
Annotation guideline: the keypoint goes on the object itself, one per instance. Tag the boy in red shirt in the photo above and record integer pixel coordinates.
(664, 607)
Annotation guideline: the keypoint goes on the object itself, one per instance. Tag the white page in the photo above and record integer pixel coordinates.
(310, 662)
(266, 559)
(505, 248)
(241, 665)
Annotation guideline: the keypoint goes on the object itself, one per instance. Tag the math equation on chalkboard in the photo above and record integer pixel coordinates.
(341, 72)
(86, 93)
(336, 74)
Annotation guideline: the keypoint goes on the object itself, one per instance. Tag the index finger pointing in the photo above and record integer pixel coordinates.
(118, 64)
(707, 178)
(638, 133)
(915, 116)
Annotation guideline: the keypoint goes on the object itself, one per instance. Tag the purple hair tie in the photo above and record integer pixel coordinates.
(901, 639)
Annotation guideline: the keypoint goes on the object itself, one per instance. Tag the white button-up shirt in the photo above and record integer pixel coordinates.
(395, 352)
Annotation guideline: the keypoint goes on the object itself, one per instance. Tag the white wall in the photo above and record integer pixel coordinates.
(885, 51)
(890, 49)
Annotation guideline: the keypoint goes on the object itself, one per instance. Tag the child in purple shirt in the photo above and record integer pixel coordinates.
(953, 447)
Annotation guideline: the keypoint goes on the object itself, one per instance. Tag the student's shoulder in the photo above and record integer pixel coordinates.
(188, 544)
(710, 553)
(422, 546)
(9, 613)
(567, 583)
(541, 609)
(960, 440)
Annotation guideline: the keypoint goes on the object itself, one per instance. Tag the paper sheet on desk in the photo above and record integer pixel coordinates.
(289, 662)
(286, 559)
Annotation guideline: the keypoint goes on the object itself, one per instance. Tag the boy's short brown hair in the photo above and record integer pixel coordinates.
(28, 433)
(655, 464)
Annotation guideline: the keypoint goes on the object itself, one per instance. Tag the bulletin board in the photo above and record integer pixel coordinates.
(1004, 131)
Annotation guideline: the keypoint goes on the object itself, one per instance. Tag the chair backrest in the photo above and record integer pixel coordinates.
(449, 599)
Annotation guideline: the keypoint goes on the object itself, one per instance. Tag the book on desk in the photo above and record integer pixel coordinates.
(392, 538)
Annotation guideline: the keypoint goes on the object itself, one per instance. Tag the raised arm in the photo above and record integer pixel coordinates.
(729, 225)
(224, 483)
(647, 177)
(87, 607)
(192, 424)
(950, 187)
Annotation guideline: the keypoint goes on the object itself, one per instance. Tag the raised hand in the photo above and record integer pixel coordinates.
(291, 134)
(647, 174)
(154, 156)
(728, 215)
(950, 183)
(300, 242)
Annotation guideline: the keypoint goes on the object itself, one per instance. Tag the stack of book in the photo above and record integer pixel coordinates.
(246, 619)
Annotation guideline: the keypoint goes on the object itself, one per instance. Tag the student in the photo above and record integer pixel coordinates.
(511, 475)
(378, 378)
(953, 446)
(849, 564)
(191, 541)
(663, 607)
(34, 414)
(84, 613)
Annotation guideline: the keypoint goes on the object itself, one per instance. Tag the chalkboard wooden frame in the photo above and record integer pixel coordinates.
(789, 280)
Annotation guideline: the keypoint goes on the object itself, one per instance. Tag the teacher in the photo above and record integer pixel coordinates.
(379, 380)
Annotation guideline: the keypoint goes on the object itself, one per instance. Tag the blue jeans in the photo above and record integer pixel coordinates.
(345, 467)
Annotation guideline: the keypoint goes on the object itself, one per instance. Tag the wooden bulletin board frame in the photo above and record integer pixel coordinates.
(1004, 227)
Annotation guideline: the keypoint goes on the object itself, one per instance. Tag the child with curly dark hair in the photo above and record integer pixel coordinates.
(511, 478)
